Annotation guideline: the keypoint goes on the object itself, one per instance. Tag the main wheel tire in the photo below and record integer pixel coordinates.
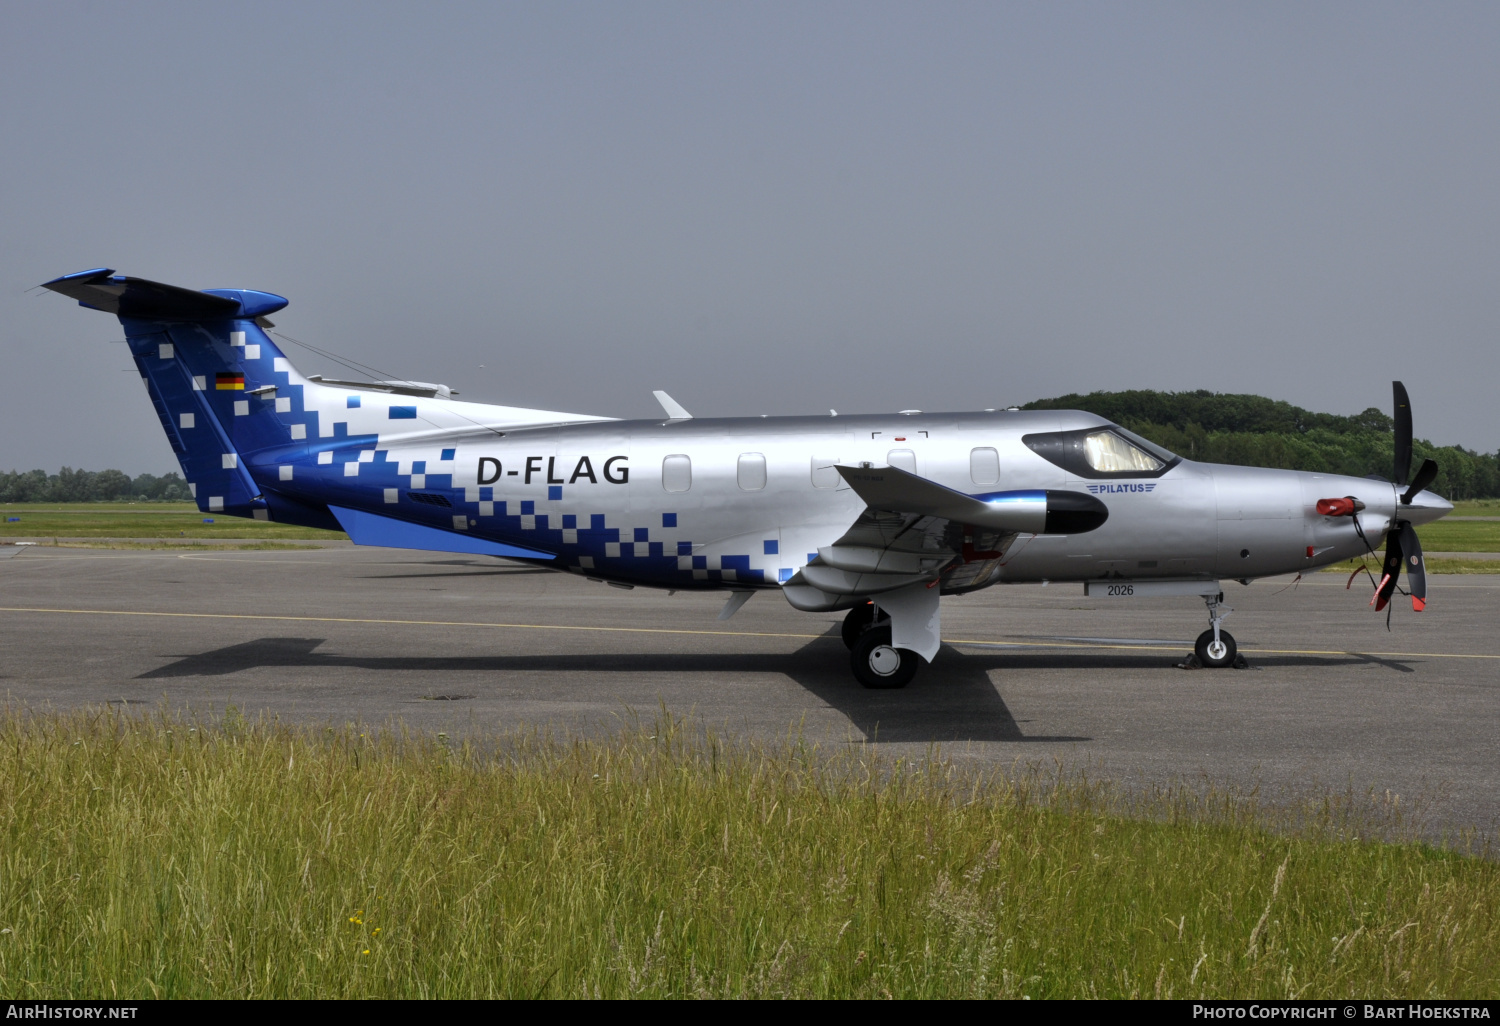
(1215, 655)
(857, 621)
(877, 664)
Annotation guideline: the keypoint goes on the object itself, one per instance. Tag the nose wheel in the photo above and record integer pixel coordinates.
(1215, 651)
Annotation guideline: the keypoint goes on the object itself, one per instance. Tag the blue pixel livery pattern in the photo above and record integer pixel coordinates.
(288, 449)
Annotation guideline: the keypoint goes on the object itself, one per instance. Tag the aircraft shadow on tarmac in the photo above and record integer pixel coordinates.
(461, 568)
(953, 700)
(453, 573)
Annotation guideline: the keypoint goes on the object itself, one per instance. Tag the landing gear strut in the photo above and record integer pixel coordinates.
(859, 619)
(1215, 647)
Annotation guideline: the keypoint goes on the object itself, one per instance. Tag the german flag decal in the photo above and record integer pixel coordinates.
(229, 382)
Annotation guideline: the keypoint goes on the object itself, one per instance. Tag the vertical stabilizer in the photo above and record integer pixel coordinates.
(227, 397)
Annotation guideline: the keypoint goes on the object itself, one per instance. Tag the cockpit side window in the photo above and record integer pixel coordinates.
(1160, 452)
(1102, 452)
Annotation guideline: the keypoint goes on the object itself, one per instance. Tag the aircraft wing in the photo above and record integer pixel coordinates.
(1033, 511)
(914, 531)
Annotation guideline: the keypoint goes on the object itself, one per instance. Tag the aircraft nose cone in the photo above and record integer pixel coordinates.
(1426, 507)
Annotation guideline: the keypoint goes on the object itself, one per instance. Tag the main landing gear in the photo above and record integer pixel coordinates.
(875, 661)
(1215, 647)
(858, 620)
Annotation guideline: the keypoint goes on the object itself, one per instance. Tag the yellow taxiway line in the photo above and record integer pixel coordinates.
(730, 634)
(1250, 651)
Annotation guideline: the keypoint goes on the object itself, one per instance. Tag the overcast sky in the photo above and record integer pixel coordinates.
(764, 208)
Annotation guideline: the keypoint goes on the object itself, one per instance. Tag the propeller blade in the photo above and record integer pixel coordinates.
(1403, 432)
(1416, 567)
(1425, 475)
(1391, 572)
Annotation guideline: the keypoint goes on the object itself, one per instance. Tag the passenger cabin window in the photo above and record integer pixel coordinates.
(677, 473)
(902, 459)
(1112, 454)
(752, 471)
(824, 472)
(984, 466)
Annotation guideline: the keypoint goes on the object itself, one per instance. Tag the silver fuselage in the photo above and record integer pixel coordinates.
(596, 494)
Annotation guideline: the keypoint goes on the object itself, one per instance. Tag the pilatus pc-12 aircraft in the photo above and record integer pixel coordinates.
(880, 515)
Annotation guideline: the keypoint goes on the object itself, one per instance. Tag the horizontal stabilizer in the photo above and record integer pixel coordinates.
(102, 289)
(373, 529)
(1032, 511)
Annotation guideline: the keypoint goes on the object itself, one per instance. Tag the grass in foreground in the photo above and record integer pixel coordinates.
(174, 859)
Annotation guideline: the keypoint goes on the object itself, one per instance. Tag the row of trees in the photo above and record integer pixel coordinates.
(69, 485)
(1252, 431)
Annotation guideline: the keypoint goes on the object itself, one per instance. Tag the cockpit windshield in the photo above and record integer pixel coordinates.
(1102, 452)
(1112, 452)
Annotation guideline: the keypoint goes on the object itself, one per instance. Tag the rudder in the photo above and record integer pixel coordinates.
(227, 397)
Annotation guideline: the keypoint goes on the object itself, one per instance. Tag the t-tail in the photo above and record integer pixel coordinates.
(228, 398)
(258, 439)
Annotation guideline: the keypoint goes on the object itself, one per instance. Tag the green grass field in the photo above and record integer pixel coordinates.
(1461, 536)
(177, 859)
(138, 520)
(1435, 565)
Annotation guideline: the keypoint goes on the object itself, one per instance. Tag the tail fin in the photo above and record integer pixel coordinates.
(228, 399)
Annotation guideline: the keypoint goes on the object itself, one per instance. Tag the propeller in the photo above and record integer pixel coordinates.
(1428, 471)
(1426, 474)
(1403, 550)
(1403, 432)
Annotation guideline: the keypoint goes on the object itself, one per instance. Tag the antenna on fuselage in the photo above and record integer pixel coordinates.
(672, 406)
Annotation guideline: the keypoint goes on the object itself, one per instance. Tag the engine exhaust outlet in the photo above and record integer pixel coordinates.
(1345, 507)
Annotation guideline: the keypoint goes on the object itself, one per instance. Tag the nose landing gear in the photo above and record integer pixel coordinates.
(1215, 647)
